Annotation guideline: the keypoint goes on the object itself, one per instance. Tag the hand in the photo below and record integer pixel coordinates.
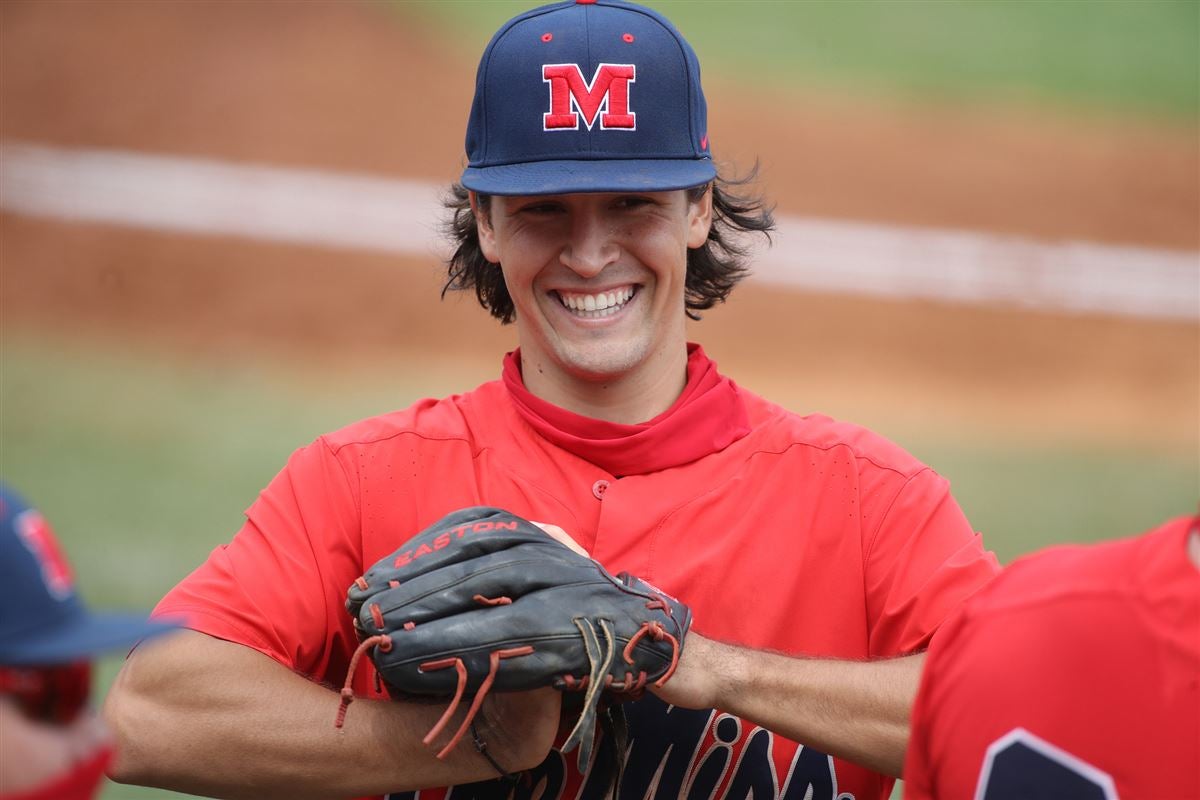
(562, 537)
(35, 753)
(519, 727)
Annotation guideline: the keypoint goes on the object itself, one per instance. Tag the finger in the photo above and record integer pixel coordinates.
(562, 536)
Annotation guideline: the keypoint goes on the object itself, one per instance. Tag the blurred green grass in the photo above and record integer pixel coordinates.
(143, 463)
(145, 460)
(1139, 57)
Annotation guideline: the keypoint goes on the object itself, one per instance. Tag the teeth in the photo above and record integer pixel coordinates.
(601, 304)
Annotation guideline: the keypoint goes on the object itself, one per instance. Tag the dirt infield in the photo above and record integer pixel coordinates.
(358, 87)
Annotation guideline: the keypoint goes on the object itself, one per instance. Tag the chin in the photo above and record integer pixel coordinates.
(597, 362)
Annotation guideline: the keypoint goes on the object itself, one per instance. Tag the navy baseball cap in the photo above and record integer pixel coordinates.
(43, 620)
(587, 96)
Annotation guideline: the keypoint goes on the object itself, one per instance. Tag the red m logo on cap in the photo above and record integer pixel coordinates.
(36, 535)
(608, 90)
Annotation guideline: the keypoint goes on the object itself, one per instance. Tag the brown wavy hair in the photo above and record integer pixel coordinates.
(713, 269)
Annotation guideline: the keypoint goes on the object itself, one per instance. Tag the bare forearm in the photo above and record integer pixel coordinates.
(856, 710)
(200, 715)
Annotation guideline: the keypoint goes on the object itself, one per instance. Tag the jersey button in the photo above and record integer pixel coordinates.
(599, 488)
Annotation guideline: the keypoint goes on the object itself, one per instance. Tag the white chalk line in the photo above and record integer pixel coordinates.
(338, 210)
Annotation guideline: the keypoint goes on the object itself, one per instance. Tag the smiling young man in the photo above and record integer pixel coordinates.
(817, 558)
(597, 286)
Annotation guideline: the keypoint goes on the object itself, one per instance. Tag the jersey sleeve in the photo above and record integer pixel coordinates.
(922, 562)
(920, 780)
(279, 586)
(1008, 700)
(1065, 678)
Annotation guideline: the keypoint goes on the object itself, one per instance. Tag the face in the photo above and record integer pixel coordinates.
(597, 280)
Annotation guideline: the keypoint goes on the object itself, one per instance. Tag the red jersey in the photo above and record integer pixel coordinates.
(797, 534)
(1075, 674)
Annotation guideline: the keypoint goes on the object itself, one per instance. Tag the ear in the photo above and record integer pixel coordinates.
(699, 219)
(483, 225)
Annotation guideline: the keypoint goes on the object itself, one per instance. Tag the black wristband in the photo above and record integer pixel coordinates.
(481, 746)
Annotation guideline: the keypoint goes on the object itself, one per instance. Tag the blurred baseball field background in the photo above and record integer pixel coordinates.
(151, 382)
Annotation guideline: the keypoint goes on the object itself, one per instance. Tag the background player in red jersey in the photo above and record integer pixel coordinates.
(1075, 674)
(53, 746)
(812, 553)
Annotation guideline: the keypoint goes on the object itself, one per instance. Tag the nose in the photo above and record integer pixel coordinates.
(591, 245)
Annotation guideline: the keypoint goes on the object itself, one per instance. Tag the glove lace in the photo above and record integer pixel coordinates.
(584, 732)
(384, 642)
(494, 660)
(657, 632)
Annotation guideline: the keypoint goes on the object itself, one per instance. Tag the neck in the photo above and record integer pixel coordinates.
(632, 398)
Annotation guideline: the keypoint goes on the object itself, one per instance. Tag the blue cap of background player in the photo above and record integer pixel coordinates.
(587, 96)
(43, 621)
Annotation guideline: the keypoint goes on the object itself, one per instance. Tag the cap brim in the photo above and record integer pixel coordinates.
(84, 637)
(569, 177)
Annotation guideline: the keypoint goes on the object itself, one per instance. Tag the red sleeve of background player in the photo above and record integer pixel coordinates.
(920, 783)
(1032, 681)
(280, 585)
(922, 561)
(1067, 677)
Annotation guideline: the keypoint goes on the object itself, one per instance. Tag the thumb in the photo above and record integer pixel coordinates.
(562, 537)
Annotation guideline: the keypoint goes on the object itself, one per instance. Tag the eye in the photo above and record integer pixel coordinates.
(540, 208)
(632, 201)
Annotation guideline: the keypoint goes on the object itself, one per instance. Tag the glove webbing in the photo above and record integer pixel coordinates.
(584, 732)
(600, 678)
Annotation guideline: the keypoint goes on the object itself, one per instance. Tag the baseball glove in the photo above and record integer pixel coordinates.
(486, 601)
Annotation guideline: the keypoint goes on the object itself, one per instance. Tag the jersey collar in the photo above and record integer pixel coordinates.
(706, 418)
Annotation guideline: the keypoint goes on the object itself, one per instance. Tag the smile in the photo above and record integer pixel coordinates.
(595, 306)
